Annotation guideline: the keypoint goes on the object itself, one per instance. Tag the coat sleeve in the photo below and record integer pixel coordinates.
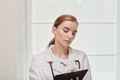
(34, 71)
(86, 65)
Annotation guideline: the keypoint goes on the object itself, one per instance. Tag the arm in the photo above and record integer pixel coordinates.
(33, 74)
(35, 71)
(86, 65)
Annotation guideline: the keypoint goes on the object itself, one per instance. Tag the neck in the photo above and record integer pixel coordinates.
(60, 51)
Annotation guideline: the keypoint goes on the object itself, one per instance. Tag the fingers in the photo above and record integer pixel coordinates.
(71, 70)
(71, 79)
(77, 78)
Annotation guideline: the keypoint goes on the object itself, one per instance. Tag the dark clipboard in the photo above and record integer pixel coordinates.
(68, 76)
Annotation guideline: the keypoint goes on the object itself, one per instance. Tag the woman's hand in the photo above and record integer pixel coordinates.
(77, 78)
(73, 70)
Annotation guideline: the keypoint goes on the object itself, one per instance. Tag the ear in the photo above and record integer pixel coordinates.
(54, 30)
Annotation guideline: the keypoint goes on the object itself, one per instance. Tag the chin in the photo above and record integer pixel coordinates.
(66, 45)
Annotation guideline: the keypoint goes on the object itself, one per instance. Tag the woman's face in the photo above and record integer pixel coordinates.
(65, 33)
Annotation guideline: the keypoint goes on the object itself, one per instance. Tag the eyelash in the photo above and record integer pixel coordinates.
(73, 33)
(67, 31)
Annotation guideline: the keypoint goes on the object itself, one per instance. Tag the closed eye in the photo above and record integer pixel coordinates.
(74, 33)
(65, 29)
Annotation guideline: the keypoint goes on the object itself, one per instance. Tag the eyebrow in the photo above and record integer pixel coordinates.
(66, 28)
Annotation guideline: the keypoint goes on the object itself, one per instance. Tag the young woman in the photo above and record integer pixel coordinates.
(59, 57)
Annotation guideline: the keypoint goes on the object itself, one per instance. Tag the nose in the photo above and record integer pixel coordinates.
(70, 36)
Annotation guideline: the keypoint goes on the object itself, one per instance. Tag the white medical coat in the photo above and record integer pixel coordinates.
(40, 68)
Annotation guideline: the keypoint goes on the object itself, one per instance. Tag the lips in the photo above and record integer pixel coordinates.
(69, 41)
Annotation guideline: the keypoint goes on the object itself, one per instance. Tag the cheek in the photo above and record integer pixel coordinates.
(61, 35)
(73, 38)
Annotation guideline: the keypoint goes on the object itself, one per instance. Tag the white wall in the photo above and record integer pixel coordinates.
(7, 39)
(21, 49)
(96, 35)
(24, 35)
(118, 40)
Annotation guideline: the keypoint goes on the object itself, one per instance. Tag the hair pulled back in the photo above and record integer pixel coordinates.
(59, 20)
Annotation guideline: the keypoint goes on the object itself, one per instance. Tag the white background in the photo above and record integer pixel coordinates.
(98, 33)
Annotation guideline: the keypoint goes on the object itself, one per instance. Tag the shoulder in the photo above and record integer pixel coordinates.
(78, 53)
(39, 57)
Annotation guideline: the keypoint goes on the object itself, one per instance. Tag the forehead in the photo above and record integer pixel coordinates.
(69, 24)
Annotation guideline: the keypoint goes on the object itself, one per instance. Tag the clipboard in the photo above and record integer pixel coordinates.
(68, 76)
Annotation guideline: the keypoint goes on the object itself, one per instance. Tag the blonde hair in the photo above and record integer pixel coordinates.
(59, 20)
